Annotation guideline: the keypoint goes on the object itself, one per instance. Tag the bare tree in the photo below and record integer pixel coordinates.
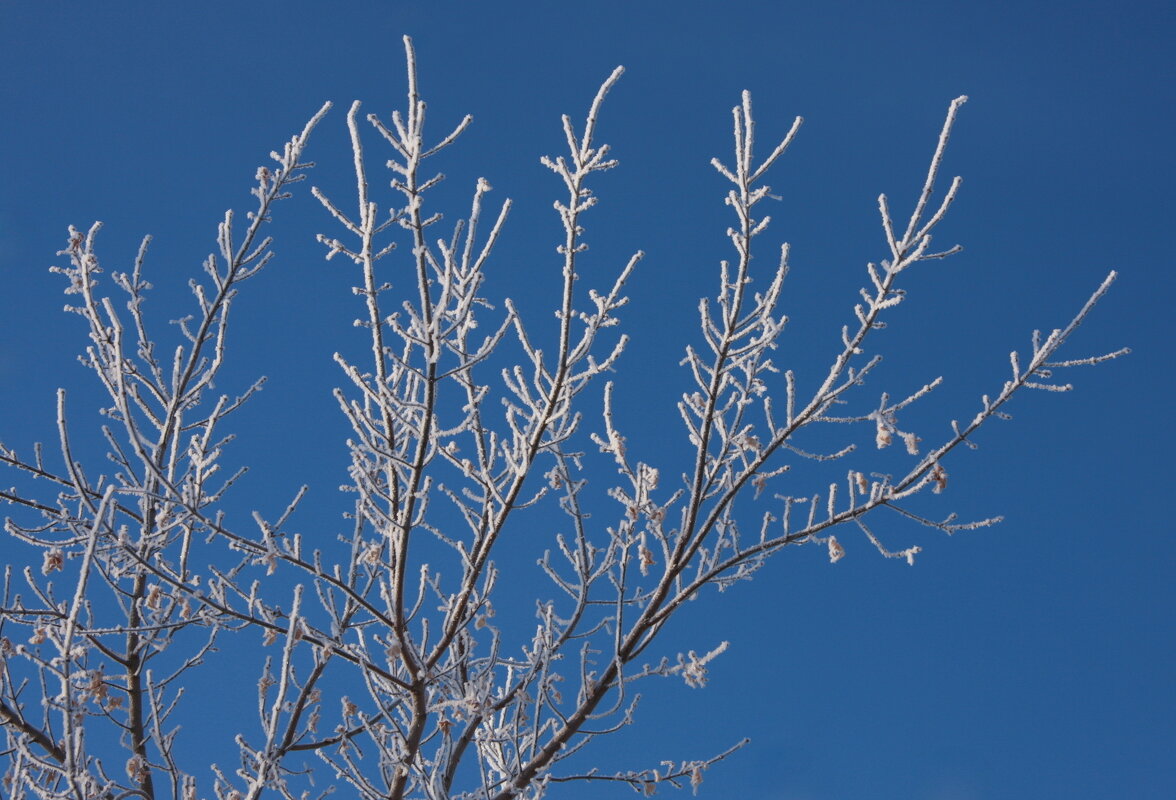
(389, 675)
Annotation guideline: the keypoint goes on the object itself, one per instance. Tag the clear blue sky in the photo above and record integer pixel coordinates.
(1036, 659)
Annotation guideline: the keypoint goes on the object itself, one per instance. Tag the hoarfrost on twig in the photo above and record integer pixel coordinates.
(382, 650)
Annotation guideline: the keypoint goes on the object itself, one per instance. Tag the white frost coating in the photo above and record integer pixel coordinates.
(462, 419)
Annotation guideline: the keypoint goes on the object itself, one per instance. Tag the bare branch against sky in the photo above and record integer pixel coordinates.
(418, 652)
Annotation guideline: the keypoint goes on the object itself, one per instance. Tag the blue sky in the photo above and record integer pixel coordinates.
(1035, 659)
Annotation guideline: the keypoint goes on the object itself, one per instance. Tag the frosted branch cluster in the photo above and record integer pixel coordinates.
(384, 669)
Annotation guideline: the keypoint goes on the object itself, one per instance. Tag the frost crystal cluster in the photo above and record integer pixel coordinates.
(384, 671)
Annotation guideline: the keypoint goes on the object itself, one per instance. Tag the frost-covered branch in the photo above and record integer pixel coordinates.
(387, 661)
